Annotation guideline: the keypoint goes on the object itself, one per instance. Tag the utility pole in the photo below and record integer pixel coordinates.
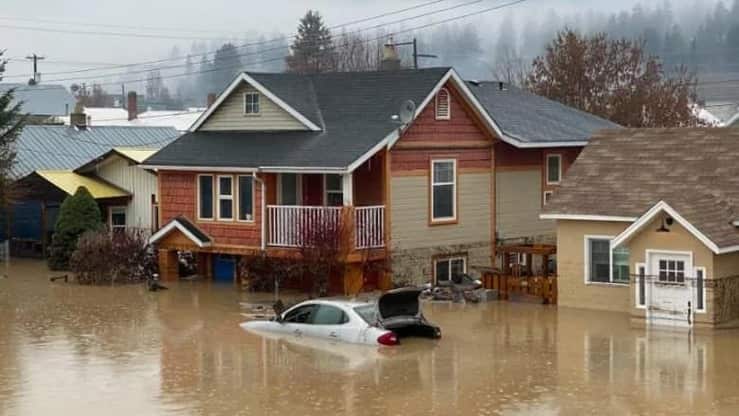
(416, 55)
(35, 58)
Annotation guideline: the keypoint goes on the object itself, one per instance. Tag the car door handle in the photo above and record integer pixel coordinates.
(333, 335)
(298, 332)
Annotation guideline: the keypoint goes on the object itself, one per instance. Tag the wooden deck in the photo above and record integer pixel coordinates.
(525, 275)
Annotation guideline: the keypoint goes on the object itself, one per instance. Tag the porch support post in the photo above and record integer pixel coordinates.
(347, 187)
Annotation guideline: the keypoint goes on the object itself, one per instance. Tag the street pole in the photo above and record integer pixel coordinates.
(35, 58)
(415, 53)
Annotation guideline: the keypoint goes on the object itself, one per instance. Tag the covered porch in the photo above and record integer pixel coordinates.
(307, 208)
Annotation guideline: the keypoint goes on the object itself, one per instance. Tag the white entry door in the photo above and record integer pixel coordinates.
(669, 289)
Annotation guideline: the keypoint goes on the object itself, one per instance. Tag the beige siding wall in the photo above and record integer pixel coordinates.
(137, 181)
(410, 213)
(230, 115)
(572, 289)
(518, 206)
(726, 265)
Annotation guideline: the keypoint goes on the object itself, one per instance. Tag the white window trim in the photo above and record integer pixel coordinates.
(110, 216)
(259, 104)
(326, 191)
(298, 191)
(544, 197)
(695, 273)
(448, 116)
(450, 260)
(559, 158)
(237, 202)
(586, 261)
(220, 198)
(454, 191)
(638, 266)
(213, 197)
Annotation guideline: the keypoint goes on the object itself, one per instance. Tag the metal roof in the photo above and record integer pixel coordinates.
(41, 99)
(62, 147)
(69, 182)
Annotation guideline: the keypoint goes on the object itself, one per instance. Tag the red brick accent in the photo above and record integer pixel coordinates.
(179, 198)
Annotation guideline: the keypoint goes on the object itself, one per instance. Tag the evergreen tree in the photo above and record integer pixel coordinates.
(312, 50)
(226, 64)
(78, 214)
(11, 124)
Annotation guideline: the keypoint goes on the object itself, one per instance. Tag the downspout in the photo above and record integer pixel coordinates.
(264, 209)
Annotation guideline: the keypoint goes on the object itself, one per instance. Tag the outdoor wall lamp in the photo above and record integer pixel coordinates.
(666, 222)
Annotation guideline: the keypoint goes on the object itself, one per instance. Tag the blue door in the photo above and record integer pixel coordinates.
(224, 268)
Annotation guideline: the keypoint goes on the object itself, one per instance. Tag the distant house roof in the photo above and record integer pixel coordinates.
(349, 115)
(62, 147)
(180, 120)
(42, 99)
(532, 119)
(69, 182)
(622, 175)
(134, 155)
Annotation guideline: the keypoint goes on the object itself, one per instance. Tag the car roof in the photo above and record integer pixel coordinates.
(337, 302)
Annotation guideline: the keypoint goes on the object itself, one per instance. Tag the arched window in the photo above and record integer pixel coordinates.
(443, 107)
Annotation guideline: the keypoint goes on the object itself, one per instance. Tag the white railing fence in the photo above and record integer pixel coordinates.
(369, 223)
(294, 226)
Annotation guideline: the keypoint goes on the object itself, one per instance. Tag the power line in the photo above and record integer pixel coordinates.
(378, 26)
(249, 44)
(101, 33)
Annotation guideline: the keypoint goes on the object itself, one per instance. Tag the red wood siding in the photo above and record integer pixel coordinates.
(179, 197)
(461, 137)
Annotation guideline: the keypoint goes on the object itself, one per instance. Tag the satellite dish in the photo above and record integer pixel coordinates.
(407, 112)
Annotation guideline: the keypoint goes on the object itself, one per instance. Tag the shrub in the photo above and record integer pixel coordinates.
(120, 257)
(79, 213)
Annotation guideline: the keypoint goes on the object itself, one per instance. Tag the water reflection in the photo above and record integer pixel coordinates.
(71, 350)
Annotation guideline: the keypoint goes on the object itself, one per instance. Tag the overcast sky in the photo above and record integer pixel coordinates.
(208, 19)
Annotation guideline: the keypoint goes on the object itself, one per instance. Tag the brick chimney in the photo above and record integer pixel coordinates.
(78, 118)
(390, 58)
(211, 99)
(132, 106)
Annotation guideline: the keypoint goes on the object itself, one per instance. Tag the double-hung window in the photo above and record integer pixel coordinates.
(602, 264)
(205, 197)
(118, 219)
(554, 169)
(251, 103)
(246, 198)
(334, 190)
(449, 269)
(443, 190)
(225, 198)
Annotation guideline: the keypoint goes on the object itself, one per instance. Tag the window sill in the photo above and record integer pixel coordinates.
(252, 115)
(443, 222)
(611, 284)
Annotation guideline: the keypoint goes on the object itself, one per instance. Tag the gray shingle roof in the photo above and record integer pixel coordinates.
(353, 109)
(42, 99)
(530, 118)
(626, 172)
(62, 147)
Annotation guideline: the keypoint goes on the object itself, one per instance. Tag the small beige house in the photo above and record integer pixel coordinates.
(648, 224)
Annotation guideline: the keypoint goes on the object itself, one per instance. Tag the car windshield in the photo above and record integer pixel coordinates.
(368, 313)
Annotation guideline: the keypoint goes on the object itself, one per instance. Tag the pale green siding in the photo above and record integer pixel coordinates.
(518, 206)
(230, 115)
(410, 215)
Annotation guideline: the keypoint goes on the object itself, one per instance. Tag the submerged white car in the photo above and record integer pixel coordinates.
(396, 314)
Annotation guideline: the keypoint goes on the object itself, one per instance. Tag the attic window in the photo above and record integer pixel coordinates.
(443, 108)
(251, 103)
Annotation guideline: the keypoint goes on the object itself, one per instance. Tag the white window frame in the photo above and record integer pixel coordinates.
(298, 191)
(237, 202)
(637, 293)
(450, 260)
(454, 184)
(448, 115)
(110, 217)
(220, 197)
(695, 273)
(586, 261)
(546, 196)
(559, 176)
(213, 197)
(259, 104)
(327, 191)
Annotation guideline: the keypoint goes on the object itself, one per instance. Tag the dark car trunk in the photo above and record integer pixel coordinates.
(400, 312)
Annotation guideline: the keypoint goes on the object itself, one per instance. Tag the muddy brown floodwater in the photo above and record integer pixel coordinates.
(66, 349)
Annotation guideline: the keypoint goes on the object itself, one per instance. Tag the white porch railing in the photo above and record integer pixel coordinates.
(296, 226)
(369, 223)
(293, 226)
